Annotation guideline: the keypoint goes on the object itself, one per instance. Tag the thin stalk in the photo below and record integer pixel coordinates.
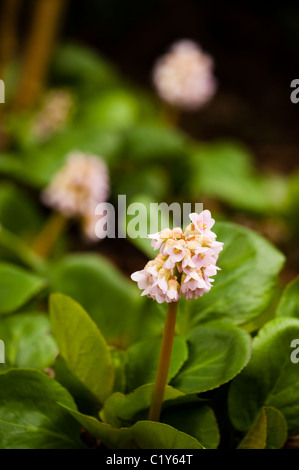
(46, 239)
(38, 51)
(164, 362)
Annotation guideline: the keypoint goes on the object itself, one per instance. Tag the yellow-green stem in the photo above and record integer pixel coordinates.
(164, 362)
(46, 239)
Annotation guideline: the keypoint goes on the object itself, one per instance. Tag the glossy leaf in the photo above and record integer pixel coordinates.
(142, 361)
(217, 352)
(270, 378)
(30, 416)
(82, 345)
(142, 435)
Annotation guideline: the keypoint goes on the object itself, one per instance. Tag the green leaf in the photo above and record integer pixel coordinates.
(143, 357)
(82, 345)
(18, 213)
(268, 432)
(76, 64)
(116, 109)
(86, 401)
(30, 416)
(142, 435)
(269, 379)
(226, 171)
(12, 248)
(17, 287)
(151, 142)
(110, 299)
(244, 286)
(28, 342)
(90, 139)
(289, 302)
(120, 410)
(196, 419)
(119, 359)
(217, 352)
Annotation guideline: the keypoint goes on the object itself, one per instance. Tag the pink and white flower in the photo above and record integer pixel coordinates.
(185, 264)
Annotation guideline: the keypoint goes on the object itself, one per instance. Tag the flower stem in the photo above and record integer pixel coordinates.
(46, 239)
(38, 50)
(164, 362)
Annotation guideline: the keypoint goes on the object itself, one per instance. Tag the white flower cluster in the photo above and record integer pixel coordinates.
(185, 263)
(77, 188)
(184, 76)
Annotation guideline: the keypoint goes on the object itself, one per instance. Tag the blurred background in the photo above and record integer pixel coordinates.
(238, 153)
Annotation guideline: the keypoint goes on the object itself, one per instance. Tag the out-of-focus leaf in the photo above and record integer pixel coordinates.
(28, 340)
(155, 143)
(116, 109)
(13, 249)
(78, 65)
(17, 287)
(226, 171)
(18, 213)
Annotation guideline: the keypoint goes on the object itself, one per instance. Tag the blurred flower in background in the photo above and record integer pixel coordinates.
(54, 114)
(184, 76)
(80, 185)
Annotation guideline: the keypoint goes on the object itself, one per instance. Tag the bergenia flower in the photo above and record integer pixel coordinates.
(54, 114)
(77, 188)
(184, 76)
(185, 264)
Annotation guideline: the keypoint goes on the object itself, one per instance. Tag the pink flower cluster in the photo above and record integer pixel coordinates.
(185, 263)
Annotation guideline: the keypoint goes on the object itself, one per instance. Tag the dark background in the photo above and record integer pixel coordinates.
(255, 47)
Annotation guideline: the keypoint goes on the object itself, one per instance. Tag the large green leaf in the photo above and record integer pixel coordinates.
(28, 341)
(142, 435)
(196, 419)
(17, 287)
(30, 417)
(142, 361)
(269, 379)
(120, 410)
(289, 302)
(82, 345)
(217, 352)
(268, 432)
(244, 286)
(111, 300)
